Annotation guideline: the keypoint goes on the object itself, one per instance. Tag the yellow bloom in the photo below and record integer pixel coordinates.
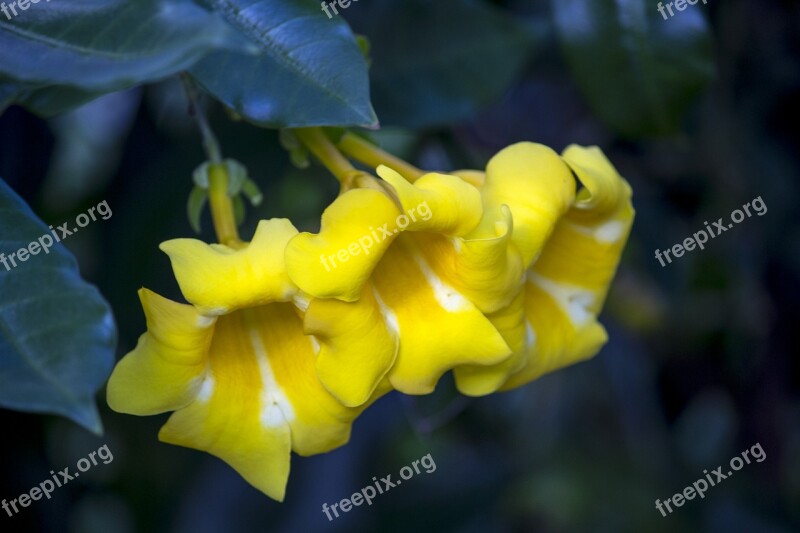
(502, 282)
(235, 366)
(373, 264)
(497, 275)
(571, 246)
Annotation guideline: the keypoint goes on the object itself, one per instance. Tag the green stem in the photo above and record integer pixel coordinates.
(210, 143)
(221, 204)
(372, 156)
(323, 149)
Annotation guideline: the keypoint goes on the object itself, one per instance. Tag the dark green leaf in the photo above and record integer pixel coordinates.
(57, 334)
(97, 46)
(311, 71)
(638, 71)
(51, 101)
(437, 62)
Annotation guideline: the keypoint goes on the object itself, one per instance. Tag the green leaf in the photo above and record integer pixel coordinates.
(194, 207)
(638, 71)
(311, 71)
(438, 62)
(57, 334)
(99, 46)
(49, 101)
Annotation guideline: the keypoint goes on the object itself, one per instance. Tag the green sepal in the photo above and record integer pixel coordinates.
(238, 209)
(194, 207)
(253, 193)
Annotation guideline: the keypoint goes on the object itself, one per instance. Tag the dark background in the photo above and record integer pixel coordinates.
(701, 363)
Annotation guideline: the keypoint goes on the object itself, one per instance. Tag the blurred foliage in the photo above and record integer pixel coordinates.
(646, 73)
(43, 302)
(702, 361)
(435, 63)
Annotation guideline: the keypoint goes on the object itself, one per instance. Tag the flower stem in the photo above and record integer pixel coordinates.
(372, 156)
(221, 205)
(324, 150)
(210, 143)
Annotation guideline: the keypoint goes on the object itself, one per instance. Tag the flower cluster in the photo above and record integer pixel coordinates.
(274, 353)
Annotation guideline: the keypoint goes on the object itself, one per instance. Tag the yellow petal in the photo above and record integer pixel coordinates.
(567, 285)
(586, 247)
(476, 178)
(239, 413)
(438, 327)
(564, 332)
(165, 370)
(604, 189)
(538, 187)
(262, 398)
(318, 421)
(356, 229)
(218, 279)
(484, 266)
(436, 203)
(511, 323)
(357, 348)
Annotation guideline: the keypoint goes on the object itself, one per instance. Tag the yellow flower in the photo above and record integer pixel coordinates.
(373, 262)
(501, 280)
(235, 365)
(570, 246)
(498, 276)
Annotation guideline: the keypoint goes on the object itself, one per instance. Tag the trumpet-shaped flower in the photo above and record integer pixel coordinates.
(502, 282)
(235, 365)
(498, 276)
(432, 325)
(570, 245)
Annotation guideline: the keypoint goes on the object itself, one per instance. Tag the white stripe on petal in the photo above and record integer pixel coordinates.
(575, 301)
(388, 314)
(607, 232)
(207, 388)
(276, 409)
(205, 321)
(449, 298)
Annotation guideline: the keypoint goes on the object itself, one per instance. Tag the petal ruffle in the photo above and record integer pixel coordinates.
(356, 230)
(166, 369)
(452, 206)
(537, 185)
(218, 279)
(484, 266)
(439, 328)
(567, 286)
(357, 347)
(511, 323)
